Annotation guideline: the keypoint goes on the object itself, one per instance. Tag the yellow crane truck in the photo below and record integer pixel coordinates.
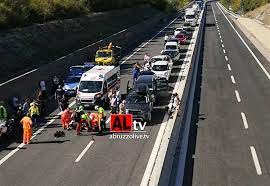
(108, 55)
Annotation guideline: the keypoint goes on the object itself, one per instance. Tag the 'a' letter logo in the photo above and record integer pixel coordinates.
(121, 123)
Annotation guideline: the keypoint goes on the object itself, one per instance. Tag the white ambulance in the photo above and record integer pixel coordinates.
(95, 85)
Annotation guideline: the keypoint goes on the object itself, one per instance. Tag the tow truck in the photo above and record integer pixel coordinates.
(108, 55)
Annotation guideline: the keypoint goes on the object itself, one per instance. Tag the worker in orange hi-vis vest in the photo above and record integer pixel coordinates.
(66, 118)
(27, 129)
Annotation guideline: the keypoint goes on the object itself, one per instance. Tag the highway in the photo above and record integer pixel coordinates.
(232, 143)
(90, 159)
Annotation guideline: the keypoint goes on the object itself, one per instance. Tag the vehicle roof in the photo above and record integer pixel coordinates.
(179, 28)
(145, 78)
(97, 73)
(160, 56)
(77, 66)
(171, 43)
(161, 63)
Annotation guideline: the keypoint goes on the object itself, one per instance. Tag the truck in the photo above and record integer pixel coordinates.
(191, 16)
(108, 55)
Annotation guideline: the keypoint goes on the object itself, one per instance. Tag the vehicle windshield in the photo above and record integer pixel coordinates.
(76, 70)
(171, 47)
(156, 59)
(141, 83)
(190, 16)
(160, 67)
(72, 80)
(104, 54)
(136, 99)
(90, 86)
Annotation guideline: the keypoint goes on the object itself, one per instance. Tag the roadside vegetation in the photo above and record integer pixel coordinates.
(245, 5)
(18, 13)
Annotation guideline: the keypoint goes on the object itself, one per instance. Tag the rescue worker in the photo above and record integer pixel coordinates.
(122, 107)
(3, 112)
(94, 120)
(27, 129)
(101, 118)
(66, 118)
(34, 112)
(86, 121)
(78, 117)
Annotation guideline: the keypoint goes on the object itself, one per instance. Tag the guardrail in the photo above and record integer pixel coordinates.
(177, 149)
(234, 15)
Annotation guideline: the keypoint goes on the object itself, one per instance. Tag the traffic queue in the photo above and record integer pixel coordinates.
(96, 85)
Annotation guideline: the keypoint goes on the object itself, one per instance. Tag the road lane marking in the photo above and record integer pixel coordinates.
(220, 37)
(243, 41)
(256, 160)
(13, 79)
(233, 80)
(244, 120)
(222, 45)
(5, 158)
(237, 96)
(124, 61)
(84, 151)
(229, 67)
(221, 41)
(224, 51)
(226, 58)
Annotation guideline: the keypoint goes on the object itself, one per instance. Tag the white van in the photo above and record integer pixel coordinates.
(190, 16)
(95, 84)
(171, 49)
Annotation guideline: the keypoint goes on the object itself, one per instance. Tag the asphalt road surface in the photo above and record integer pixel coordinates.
(89, 159)
(232, 145)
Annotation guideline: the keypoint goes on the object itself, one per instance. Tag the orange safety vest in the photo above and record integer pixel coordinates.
(27, 123)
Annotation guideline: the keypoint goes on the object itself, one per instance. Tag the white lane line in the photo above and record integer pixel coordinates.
(229, 67)
(6, 82)
(224, 51)
(244, 120)
(222, 45)
(218, 33)
(84, 151)
(220, 37)
(5, 158)
(226, 58)
(149, 41)
(237, 96)
(256, 160)
(243, 41)
(221, 41)
(108, 120)
(233, 80)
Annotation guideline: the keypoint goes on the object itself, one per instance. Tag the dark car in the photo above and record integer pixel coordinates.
(140, 103)
(70, 85)
(150, 81)
(78, 70)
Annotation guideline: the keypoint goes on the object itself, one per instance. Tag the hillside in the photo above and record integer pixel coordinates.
(262, 13)
(20, 13)
(246, 6)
